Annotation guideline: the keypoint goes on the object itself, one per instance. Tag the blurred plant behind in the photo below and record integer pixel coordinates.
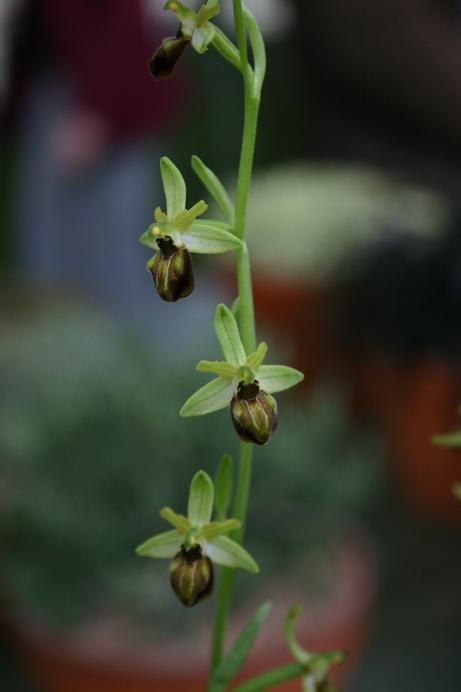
(90, 453)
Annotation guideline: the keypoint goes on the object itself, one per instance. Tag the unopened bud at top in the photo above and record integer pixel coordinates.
(171, 270)
(254, 413)
(191, 576)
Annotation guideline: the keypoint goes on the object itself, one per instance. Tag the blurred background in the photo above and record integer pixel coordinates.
(354, 229)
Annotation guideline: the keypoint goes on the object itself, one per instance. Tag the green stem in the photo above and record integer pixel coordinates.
(246, 315)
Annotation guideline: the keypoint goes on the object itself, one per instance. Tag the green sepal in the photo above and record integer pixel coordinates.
(218, 367)
(227, 670)
(271, 679)
(226, 552)
(207, 11)
(208, 238)
(174, 187)
(212, 397)
(255, 359)
(162, 545)
(201, 500)
(180, 522)
(148, 238)
(216, 189)
(277, 378)
(227, 333)
(223, 487)
(219, 528)
(202, 36)
(451, 440)
(184, 219)
(183, 13)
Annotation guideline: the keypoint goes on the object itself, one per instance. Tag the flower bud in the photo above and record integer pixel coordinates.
(171, 269)
(163, 62)
(191, 576)
(254, 413)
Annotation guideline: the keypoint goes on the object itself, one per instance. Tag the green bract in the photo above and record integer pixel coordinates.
(181, 225)
(237, 368)
(197, 530)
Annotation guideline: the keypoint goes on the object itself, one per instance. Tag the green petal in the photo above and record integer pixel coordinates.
(218, 528)
(174, 187)
(217, 367)
(239, 651)
(183, 220)
(209, 239)
(216, 189)
(255, 359)
(277, 378)
(214, 396)
(180, 522)
(162, 545)
(451, 440)
(202, 37)
(227, 333)
(201, 499)
(226, 552)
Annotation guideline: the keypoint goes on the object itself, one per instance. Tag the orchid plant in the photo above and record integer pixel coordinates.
(207, 536)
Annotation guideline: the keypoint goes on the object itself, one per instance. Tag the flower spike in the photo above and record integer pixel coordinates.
(196, 543)
(242, 382)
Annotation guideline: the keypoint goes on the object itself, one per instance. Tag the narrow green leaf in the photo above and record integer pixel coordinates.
(239, 651)
(227, 333)
(214, 396)
(451, 440)
(217, 367)
(212, 183)
(180, 522)
(209, 239)
(162, 545)
(174, 187)
(201, 499)
(226, 552)
(219, 528)
(223, 486)
(271, 679)
(183, 220)
(255, 359)
(277, 378)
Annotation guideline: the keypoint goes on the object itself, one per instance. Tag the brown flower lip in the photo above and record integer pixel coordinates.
(254, 414)
(163, 62)
(172, 271)
(191, 576)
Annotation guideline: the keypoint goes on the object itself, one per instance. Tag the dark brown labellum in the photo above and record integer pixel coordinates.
(171, 270)
(163, 62)
(191, 576)
(254, 413)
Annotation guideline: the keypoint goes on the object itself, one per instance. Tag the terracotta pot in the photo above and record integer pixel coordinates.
(413, 403)
(338, 621)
